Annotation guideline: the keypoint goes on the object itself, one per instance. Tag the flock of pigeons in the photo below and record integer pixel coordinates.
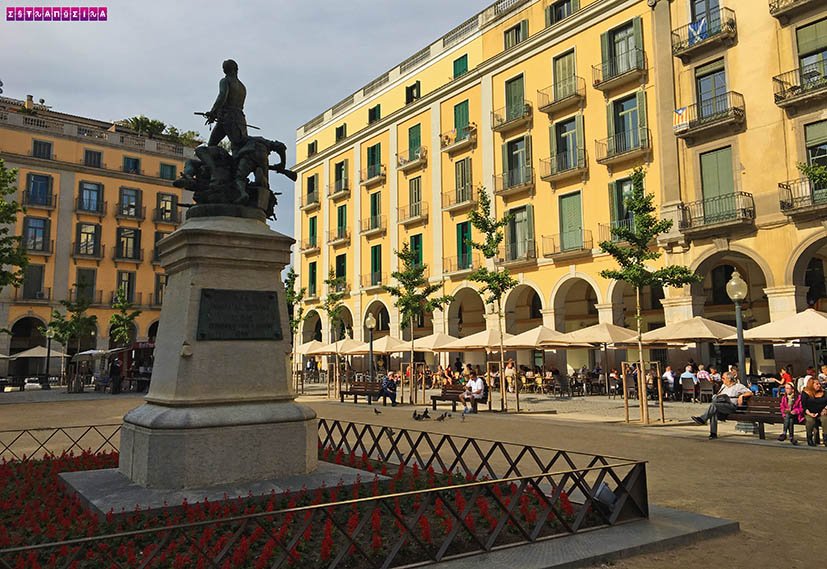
(426, 416)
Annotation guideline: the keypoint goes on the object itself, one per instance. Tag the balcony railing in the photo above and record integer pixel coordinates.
(619, 70)
(88, 250)
(411, 159)
(93, 297)
(156, 256)
(373, 225)
(133, 256)
(722, 112)
(624, 146)
(511, 117)
(459, 198)
(163, 215)
(802, 85)
(310, 200)
(523, 251)
(339, 188)
(563, 94)
(413, 213)
(785, 9)
(563, 165)
(338, 236)
(514, 181)
(135, 299)
(92, 207)
(310, 244)
(457, 140)
(737, 208)
(38, 247)
(605, 229)
(462, 263)
(341, 286)
(156, 300)
(374, 279)
(130, 211)
(705, 33)
(44, 294)
(38, 200)
(568, 244)
(802, 197)
(373, 174)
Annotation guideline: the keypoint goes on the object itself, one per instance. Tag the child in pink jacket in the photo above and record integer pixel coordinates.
(791, 411)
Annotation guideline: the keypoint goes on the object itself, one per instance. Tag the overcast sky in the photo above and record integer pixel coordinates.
(163, 59)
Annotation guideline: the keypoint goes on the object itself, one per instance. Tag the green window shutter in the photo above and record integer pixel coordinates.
(529, 211)
(461, 66)
(414, 138)
(458, 179)
(461, 117)
(345, 175)
(716, 173)
(523, 30)
(509, 229)
(575, 6)
(812, 38)
(610, 122)
(604, 48)
(460, 241)
(467, 167)
(505, 160)
(641, 118)
(548, 15)
(311, 229)
(637, 30)
(552, 139)
(815, 133)
(615, 214)
(580, 134)
(528, 152)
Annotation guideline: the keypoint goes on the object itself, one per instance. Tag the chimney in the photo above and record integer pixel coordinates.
(29, 102)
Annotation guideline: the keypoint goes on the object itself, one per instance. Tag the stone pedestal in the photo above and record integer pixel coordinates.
(220, 408)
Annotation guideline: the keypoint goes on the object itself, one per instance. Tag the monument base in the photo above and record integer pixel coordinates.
(172, 448)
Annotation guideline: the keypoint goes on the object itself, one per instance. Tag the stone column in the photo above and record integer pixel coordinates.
(679, 308)
(609, 313)
(435, 217)
(786, 301)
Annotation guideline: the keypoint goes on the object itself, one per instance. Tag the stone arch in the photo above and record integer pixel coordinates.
(311, 327)
(621, 296)
(706, 259)
(565, 282)
(152, 331)
(26, 334)
(584, 291)
(807, 268)
(382, 315)
(523, 308)
(466, 313)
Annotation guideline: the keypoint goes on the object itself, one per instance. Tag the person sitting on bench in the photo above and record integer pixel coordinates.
(724, 403)
(474, 389)
(388, 389)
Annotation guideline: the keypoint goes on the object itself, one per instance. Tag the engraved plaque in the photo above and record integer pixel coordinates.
(238, 315)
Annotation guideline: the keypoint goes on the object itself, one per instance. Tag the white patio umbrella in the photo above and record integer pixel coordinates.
(339, 347)
(809, 324)
(693, 330)
(384, 345)
(305, 348)
(487, 340)
(89, 355)
(533, 339)
(602, 334)
(432, 342)
(38, 352)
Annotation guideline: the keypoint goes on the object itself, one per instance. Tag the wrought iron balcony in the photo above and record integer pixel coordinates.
(134, 255)
(164, 215)
(457, 140)
(624, 146)
(338, 189)
(408, 160)
(88, 251)
(135, 298)
(413, 213)
(457, 199)
(43, 294)
(310, 200)
(514, 181)
(373, 225)
(786, 9)
(718, 214)
(802, 198)
(156, 256)
(310, 245)
(619, 70)
(462, 263)
(564, 165)
(801, 86)
(156, 300)
(605, 229)
(38, 246)
(712, 116)
(511, 117)
(374, 280)
(517, 252)
(130, 211)
(341, 286)
(36, 200)
(566, 93)
(339, 236)
(92, 297)
(90, 206)
(704, 34)
(568, 245)
(374, 174)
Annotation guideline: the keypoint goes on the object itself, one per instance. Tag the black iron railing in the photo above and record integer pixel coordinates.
(562, 163)
(725, 108)
(373, 173)
(338, 234)
(623, 143)
(89, 250)
(516, 251)
(458, 137)
(718, 25)
(310, 199)
(310, 243)
(801, 194)
(418, 210)
(90, 206)
(411, 157)
(570, 89)
(628, 62)
(512, 179)
(165, 215)
(800, 82)
(730, 208)
(510, 115)
(44, 200)
(23, 294)
(374, 223)
(465, 262)
(128, 210)
(567, 242)
(339, 187)
(464, 195)
(93, 297)
(605, 229)
(373, 279)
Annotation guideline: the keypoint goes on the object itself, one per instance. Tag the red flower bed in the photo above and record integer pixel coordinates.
(295, 527)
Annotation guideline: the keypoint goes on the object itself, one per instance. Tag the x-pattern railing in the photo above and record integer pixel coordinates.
(499, 506)
(34, 443)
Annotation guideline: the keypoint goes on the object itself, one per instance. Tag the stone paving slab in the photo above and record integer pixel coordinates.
(665, 529)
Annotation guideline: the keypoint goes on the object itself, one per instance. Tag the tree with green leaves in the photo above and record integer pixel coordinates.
(122, 322)
(333, 305)
(73, 324)
(295, 309)
(145, 126)
(414, 296)
(13, 259)
(185, 138)
(497, 282)
(632, 247)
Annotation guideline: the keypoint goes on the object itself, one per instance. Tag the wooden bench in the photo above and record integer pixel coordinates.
(761, 410)
(369, 389)
(452, 393)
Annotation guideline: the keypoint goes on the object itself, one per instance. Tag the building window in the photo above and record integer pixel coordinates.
(93, 158)
(815, 282)
(36, 234)
(710, 85)
(461, 121)
(312, 148)
(566, 143)
(416, 247)
(376, 265)
(376, 210)
(516, 34)
(160, 284)
(461, 66)
(375, 160)
(39, 190)
(167, 207)
(91, 197)
(621, 49)
(414, 142)
(34, 277)
(515, 105)
(627, 127)
(462, 175)
(312, 228)
(85, 285)
(571, 222)
(128, 243)
(519, 235)
(374, 114)
(42, 149)
(88, 239)
(311, 279)
(168, 171)
(156, 256)
(619, 192)
(517, 162)
(413, 92)
(341, 132)
(717, 180)
(565, 82)
(131, 165)
(341, 266)
(130, 202)
(415, 197)
(126, 285)
(812, 49)
(340, 176)
(341, 221)
(815, 137)
(464, 248)
(557, 11)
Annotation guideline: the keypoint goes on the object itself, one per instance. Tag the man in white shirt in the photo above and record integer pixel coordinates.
(474, 389)
(724, 403)
(669, 380)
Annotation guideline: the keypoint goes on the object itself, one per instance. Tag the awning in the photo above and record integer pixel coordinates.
(602, 334)
(807, 325)
(38, 352)
(532, 339)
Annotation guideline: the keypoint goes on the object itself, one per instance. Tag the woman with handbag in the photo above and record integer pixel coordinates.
(814, 403)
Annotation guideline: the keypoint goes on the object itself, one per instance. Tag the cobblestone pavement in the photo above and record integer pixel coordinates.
(758, 483)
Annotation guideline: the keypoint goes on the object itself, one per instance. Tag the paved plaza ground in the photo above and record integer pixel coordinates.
(760, 484)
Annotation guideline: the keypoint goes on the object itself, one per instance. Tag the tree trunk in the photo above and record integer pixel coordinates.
(625, 391)
(641, 376)
(503, 386)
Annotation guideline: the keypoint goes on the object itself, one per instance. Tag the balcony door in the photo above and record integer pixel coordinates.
(812, 53)
(414, 142)
(341, 269)
(415, 197)
(375, 210)
(461, 120)
(515, 162)
(566, 144)
(374, 160)
(564, 73)
(571, 222)
(619, 192)
(520, 234)
(464, 245)
(626, 125)
(815, 135)
(623, 50)
(706, 19)
(718, 187)
(710, 86)
(514, 98)
(33, 281)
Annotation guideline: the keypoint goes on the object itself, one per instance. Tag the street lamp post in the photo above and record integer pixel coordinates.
(49, 335)
(370, 323)
(737, 291)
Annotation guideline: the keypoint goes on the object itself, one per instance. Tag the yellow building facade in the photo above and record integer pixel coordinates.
(96, 199)
(548, 106)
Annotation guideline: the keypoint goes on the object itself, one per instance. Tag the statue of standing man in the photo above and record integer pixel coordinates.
(228, 110)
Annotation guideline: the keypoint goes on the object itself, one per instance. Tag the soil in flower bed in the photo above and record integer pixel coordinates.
(254, 533)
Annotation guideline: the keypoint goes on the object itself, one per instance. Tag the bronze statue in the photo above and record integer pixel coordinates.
(228, 110)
